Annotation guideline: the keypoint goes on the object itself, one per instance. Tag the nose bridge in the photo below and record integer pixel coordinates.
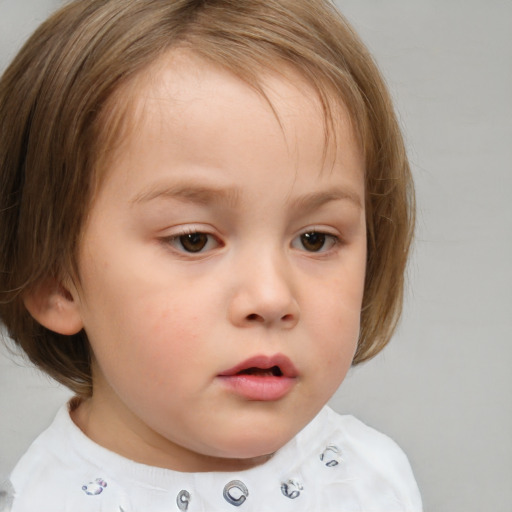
(264, 289)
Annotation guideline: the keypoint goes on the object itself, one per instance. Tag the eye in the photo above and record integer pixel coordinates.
(315, 241)
(194, 242)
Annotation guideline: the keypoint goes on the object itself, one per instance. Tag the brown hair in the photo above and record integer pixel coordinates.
(60, 112)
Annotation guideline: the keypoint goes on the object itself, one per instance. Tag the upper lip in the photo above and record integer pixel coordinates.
(264, 362)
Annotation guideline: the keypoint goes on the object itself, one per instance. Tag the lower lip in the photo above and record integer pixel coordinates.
(265, 388)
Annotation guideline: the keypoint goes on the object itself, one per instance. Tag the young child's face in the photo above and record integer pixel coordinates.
(220, 242)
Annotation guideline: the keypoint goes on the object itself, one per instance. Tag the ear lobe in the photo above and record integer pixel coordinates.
(54, 307)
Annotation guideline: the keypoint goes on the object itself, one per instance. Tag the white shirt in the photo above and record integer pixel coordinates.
(335, 464)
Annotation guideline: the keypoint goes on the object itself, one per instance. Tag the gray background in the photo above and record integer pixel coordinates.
(442, 389)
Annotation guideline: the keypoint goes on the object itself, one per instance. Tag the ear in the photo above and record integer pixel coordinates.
(54, 307)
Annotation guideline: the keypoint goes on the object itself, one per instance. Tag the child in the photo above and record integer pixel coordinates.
(206, 210)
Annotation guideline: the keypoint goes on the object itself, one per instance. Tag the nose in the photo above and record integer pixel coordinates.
(264, 293)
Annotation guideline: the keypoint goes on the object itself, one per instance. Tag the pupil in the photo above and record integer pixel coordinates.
(194, 242)
(313, 241)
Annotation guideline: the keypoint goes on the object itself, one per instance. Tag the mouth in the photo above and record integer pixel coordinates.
(264, 366)
(275, 371)
(261, 378)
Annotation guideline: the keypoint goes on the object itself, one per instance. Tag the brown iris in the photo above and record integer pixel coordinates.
(313, 241)
(194, 242)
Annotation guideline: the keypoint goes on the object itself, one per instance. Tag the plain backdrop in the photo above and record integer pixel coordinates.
(442, 389)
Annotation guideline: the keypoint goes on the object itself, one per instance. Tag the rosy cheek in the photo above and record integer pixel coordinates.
(169, 335)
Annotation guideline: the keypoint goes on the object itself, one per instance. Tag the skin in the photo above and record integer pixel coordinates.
(208, 155)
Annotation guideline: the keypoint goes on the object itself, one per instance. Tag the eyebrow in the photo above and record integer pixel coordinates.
(210, 195)
(192, 193)
(314, 200)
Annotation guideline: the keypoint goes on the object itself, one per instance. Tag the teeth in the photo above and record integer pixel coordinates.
(275, 371)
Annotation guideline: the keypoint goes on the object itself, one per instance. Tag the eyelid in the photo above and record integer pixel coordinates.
(325, 230)
(336, 239)
(169, 239)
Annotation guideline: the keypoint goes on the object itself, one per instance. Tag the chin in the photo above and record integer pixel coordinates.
(254, 443)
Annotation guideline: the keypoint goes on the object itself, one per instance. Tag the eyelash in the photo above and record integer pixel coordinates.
(326, 239)
(177, 241)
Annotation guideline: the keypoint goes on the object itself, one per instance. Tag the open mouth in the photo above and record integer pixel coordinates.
(261, 378)
(274, 371)
(277, 365)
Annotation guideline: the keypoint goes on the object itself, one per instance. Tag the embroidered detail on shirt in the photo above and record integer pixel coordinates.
(94, 488)
(291, 489)
(235, 492)
(183, 500)
(331, 456)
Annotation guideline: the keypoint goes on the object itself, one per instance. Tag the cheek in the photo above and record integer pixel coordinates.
(336, 301)
(334, 315)
(147, 329)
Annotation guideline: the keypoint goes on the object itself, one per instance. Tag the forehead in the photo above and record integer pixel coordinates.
(180, 84)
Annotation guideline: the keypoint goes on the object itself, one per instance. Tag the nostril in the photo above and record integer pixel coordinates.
(254, 317)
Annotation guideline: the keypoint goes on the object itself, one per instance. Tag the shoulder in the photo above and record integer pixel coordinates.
(367, 443)
(54, 472)
(374, 464)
